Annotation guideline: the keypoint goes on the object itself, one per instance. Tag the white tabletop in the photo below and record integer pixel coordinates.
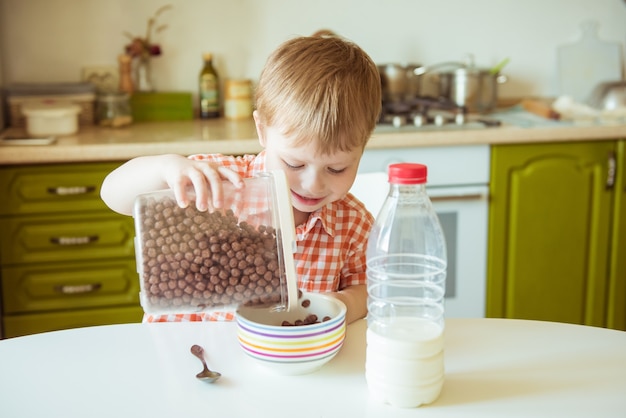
(494, 368)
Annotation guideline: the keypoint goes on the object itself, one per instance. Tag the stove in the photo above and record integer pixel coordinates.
(430, 113)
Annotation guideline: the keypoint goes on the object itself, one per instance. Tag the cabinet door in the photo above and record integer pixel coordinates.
(616, 317)
(58, 188)
(45, 287)
(54, 238)
(550, 219)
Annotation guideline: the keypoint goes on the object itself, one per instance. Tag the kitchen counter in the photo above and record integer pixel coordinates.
(239, 137)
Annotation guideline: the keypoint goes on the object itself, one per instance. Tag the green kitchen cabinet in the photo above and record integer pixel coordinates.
(44, 287)
(66, 259)
(553, 252)
(617, 278)
(53, 188)
(58, 237)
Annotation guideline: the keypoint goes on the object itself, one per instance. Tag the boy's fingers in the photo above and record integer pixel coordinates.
(231, 176)
(180, 195)
(214, 186)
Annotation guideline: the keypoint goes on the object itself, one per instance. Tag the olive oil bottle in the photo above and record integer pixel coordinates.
(209, 89)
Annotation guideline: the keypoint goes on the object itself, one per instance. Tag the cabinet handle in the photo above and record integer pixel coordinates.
(64, 191)
(67, 289)
(74, 240)
(474, 196)
(610, 173)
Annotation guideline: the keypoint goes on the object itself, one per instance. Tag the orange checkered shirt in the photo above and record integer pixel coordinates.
(331, 244)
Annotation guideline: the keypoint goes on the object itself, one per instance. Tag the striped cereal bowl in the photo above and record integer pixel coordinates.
(275, 342)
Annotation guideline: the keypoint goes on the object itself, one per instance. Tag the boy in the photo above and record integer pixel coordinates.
(317, 102)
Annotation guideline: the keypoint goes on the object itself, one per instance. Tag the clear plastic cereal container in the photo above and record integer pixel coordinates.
(239, 255)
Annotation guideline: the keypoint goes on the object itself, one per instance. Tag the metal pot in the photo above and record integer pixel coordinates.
(474, 88)
(400, 82)
(609, 95)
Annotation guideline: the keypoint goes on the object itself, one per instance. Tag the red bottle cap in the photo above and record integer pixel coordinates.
(407, 173)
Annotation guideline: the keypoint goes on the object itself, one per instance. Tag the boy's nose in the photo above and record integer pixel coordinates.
(313, 182)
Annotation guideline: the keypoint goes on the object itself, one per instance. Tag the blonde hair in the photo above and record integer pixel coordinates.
(320, 88)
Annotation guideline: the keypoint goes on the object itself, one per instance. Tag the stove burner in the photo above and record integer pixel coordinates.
(421, 104)
(427, 111)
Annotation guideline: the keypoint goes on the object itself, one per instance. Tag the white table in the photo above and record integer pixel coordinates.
(494, 368)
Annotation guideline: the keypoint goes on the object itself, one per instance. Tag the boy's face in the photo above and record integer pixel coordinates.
(314, 180)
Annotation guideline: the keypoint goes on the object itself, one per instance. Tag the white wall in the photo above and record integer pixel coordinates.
(51, 40)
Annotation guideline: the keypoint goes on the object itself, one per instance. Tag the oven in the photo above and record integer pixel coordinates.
(458, 185)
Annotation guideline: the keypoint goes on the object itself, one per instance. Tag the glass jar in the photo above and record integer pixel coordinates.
(238, 99)
(217, 259)
(113, 110)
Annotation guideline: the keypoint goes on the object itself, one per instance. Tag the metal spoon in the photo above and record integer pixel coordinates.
(206, 374)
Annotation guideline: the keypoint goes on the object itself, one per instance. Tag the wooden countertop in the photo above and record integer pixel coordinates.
(239, 137)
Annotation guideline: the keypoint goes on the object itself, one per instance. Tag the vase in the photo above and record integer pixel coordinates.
(142, 74)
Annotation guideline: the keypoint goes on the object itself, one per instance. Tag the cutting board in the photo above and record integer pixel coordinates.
(584, 64)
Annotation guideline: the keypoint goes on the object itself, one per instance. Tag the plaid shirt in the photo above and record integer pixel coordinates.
(331, 243)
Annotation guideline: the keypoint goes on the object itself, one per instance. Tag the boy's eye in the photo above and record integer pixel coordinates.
(336, 171)
(330, 170)
(292, 165)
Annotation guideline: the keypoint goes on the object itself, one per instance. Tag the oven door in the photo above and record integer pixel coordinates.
(463, 213)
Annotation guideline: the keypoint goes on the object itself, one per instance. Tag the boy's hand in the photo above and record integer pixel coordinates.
(355, 299)
(183, 175)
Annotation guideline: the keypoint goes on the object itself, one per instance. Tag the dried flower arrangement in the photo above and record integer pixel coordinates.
(143, 46)
(141, 50)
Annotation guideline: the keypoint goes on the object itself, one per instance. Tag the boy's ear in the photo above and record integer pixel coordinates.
(259, 128)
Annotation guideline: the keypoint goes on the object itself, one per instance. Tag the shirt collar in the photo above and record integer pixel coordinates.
(325, 216)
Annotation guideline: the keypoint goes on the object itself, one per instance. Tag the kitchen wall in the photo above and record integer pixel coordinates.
(52, 40)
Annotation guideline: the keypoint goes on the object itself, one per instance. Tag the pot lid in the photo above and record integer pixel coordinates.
(50, 109)
(467, 67)
(466, 71)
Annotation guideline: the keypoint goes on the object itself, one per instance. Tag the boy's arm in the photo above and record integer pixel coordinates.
(355, 299)
(152, 173)
(122, 185)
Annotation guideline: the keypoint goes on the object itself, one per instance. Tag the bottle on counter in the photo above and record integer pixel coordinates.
(406, 274)
(209, 91)
(126, 80)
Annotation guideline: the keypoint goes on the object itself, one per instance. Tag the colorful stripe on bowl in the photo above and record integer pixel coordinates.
(293, 357)
(297, 349)
(271, 344)
(291, 331)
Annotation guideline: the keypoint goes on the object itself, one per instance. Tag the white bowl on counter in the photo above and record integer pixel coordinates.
(49, 119)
